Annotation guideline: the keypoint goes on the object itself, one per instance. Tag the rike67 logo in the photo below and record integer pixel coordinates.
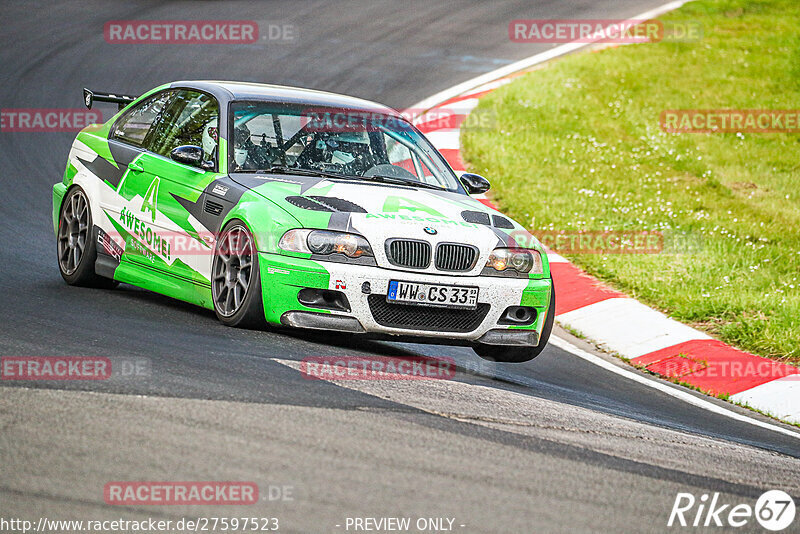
(774, 510)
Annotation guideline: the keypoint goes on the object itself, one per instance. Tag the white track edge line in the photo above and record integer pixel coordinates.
(664, 387)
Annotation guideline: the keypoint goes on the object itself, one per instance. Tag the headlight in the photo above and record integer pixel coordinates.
(324, 242)
(520, 260)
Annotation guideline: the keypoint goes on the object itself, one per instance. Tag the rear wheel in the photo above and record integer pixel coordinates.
(235, 279)
(76, 246)
(500, 353)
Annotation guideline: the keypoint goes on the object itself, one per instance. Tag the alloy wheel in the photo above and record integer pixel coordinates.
(73, 232)
(232, 272)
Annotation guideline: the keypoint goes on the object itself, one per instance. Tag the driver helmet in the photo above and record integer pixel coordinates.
(210, 138)
(241, 138)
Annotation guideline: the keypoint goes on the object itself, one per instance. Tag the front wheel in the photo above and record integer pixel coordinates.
(499, 353)
(235, 278)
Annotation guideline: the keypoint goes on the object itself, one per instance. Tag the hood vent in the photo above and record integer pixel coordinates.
(476, 217)
(481, 217)
(327, 204)
(307, 204)
(339, 204)
(502, 222)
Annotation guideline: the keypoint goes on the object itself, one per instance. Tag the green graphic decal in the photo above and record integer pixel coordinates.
(146, 268)
(271, 191)
(223, 160)
(151, 199)
(96, 140)
(161, 183)
(395, 203)
(69, 174)
(155, 241)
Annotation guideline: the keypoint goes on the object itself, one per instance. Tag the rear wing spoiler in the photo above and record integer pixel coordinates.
(90, 97)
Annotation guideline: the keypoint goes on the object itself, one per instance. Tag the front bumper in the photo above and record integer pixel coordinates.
(283, 277)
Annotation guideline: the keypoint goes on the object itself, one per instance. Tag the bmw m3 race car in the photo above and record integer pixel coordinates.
(285, 206)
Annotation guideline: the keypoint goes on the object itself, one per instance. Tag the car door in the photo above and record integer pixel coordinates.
(173, 242)
(126, 145)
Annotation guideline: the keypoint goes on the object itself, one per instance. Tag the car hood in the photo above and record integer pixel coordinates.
(384, 211)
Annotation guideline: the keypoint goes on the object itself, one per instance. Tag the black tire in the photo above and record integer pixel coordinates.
(76, 243)
(236, 279)
(509, 354)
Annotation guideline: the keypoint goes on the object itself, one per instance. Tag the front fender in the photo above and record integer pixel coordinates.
(266, 221)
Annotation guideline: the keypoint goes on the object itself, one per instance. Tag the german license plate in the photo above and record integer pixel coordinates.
(433, 295)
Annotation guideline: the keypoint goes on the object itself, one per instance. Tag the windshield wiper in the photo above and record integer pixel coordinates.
(280, 169)
(400, 181)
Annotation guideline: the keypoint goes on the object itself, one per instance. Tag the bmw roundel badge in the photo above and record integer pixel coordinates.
(430, 231)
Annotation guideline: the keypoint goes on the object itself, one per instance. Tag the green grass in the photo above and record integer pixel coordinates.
(577, 146)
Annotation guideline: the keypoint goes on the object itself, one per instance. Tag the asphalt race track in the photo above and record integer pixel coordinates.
(558, 444)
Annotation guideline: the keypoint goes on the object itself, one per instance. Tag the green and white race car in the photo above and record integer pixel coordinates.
(285, 206)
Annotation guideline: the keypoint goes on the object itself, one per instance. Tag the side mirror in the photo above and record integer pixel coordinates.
(191, 155)
(475, 183)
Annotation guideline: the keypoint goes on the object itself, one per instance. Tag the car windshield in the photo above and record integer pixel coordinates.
(336, 142)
